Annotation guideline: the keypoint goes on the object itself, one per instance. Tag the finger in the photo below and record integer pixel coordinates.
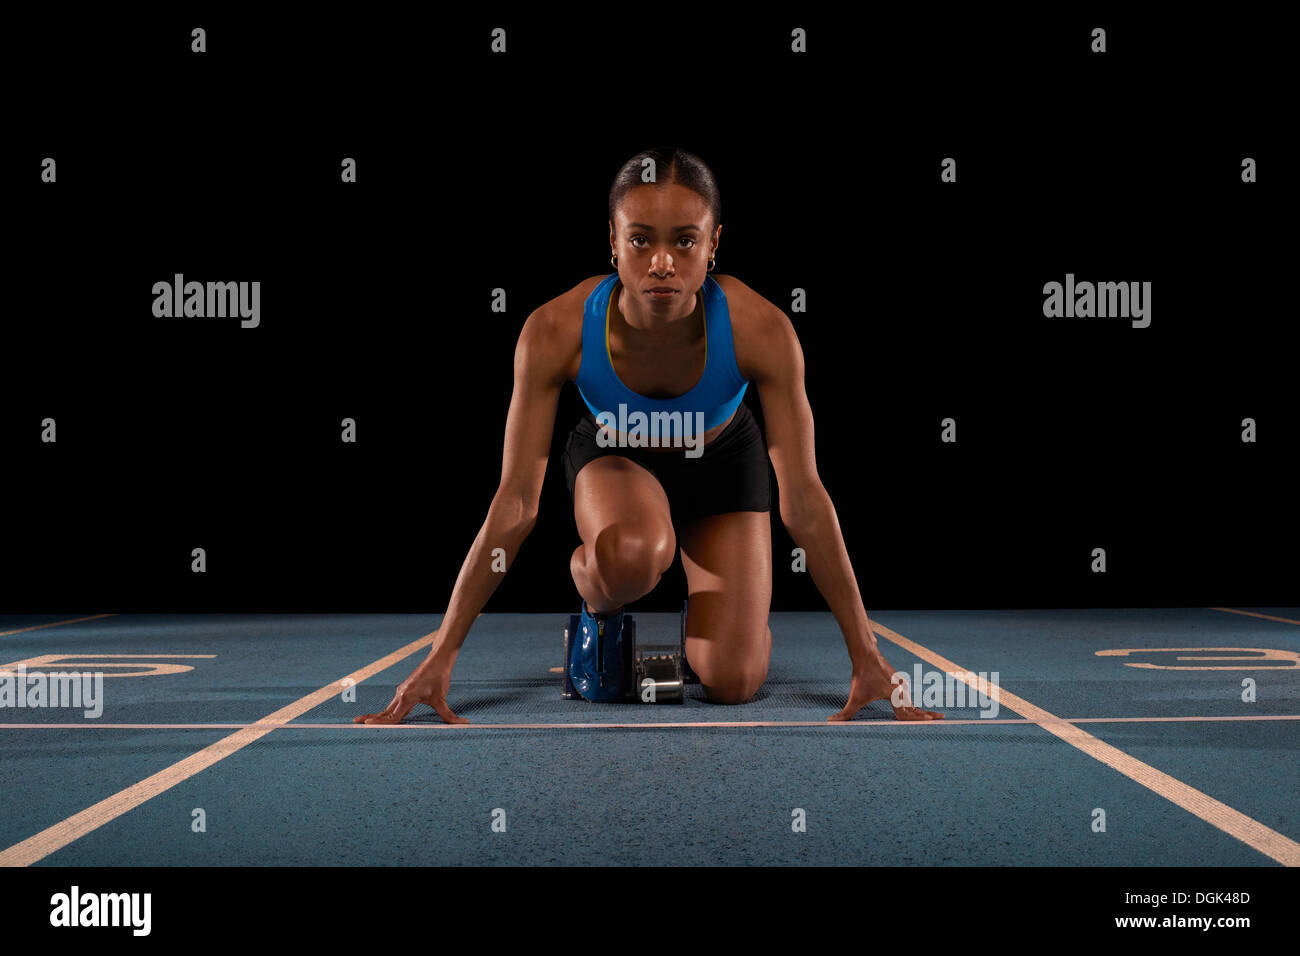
(379, 718)
(857, 700)
(400, 707)
(847, 713)
(366, 718)
(916, 713)
(905, 698)
(445, 712)
(919, 714)
(393, 713)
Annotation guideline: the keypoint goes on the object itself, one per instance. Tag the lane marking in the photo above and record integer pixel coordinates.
(37, 627)
(35, 666)
(1267, 617)
(55, 837)
(1260, 662)
(438, 725)
(1254, 834)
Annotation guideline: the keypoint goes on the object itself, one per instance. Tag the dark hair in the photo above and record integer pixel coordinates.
(672, 165)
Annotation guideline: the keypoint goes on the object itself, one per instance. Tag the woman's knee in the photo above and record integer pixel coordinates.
(732, 685)
(628, 560)
(729, 676)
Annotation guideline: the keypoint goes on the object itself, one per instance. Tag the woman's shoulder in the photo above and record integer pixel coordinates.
(749, 309)
(567, 307)
(556, 326)
(759, 329)
(752, 315)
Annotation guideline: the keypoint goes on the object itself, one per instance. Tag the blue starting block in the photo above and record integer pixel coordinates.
(654, 673)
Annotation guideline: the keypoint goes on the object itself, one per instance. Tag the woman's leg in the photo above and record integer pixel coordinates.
(728, 562)
(626, 529)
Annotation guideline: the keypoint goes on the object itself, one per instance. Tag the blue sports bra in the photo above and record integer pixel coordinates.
(716, 395)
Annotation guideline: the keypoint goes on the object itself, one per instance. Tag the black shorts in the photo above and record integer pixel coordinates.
(732, 474)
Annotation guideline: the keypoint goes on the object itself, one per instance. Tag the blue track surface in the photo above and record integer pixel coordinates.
(975, 793)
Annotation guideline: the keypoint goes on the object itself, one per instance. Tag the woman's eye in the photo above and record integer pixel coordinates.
(634, 240)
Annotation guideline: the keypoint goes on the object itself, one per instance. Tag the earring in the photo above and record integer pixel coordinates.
(712, 262)
(613, 261)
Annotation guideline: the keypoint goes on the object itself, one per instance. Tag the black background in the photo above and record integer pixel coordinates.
(914, 909)
(478, 172)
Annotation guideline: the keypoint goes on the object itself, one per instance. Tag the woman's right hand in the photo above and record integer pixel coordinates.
(426, 685)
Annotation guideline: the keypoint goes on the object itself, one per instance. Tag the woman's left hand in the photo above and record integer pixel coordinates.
(876, 680)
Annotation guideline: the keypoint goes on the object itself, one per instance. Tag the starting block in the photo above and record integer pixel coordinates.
(655, 673)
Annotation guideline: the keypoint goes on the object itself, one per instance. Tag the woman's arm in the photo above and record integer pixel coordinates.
(776, 365)
(540, 371)
(543, 357)
(806, 508)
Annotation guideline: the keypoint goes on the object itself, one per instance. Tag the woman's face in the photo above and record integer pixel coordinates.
(660, 235)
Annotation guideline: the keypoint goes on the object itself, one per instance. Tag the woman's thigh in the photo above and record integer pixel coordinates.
(728, 564)
(625, 523)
